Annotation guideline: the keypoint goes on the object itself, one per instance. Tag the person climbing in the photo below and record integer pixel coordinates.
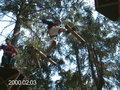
(9, 54)
(54, 29)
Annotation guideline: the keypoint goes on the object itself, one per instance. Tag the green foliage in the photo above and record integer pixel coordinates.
(93, 61)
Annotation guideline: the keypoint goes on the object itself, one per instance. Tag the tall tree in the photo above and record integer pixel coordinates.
(92, 60)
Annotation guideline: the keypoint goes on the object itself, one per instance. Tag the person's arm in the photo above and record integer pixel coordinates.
(16, 51)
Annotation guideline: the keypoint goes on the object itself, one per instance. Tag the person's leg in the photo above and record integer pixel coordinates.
(5, 61)
(12, 62)
(54, 31)
(53, 45)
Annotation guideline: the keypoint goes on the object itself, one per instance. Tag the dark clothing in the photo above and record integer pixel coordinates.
(9, 50)
(6, 60)
(8, 55)
(49, 23)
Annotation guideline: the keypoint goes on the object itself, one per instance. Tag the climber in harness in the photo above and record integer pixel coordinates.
(54, 29)
(9, 54)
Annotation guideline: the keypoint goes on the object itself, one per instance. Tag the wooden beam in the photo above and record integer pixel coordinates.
(74, 33)
(43, 55)
(119, 10)
(109, 4)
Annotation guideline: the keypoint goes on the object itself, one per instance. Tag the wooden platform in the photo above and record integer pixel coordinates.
(109, 8)
(8, 74)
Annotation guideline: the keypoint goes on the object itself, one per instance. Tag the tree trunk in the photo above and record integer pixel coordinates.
(93, 60)
(16, 32)
(91, 66)
(98, 64)
(78, 66)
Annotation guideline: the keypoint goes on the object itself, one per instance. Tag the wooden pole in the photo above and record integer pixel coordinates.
(74, 33)
(44, 56)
